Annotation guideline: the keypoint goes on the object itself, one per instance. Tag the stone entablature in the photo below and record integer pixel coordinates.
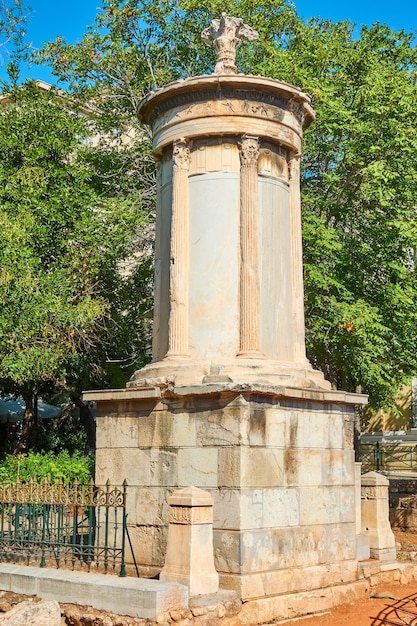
(213, 105)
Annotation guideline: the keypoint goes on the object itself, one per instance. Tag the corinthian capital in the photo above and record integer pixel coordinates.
(249, 150)
(181, 154)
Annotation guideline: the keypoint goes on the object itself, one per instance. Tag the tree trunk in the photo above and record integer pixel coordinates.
(29, 425)
(87, 420)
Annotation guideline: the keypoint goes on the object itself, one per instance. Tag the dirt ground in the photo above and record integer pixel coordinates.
(397, 608)
(393, 605)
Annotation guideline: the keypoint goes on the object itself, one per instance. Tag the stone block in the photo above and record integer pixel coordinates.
(338, 467)
(149, 431)
(150, 506)
(302, 467)
(184, 430)
(309, 547)
(257, 426)
(347, 504)
(163, 468)
(229, 469)
(265, 610)
(342, 594)
(275, 427)
(227, 508)
(287, 581)
(261, 467)
(275, 549)
(227, 555)
(131, 464)
(362, 547)
(341, 542)
(408, 574)
(167, 428)
(222, 426)
(310, 429)
(127, 596)
(118, 432)
(256, 508)
(20, 580)
(197, 467)
(149, 544)
(281, 507)
(67, 588)
(319, 505)
(334, 431)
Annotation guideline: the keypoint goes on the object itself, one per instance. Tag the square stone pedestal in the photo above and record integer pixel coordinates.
(278, 463)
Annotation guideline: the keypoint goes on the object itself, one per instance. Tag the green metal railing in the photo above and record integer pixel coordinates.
(389, 457)
(77, 526)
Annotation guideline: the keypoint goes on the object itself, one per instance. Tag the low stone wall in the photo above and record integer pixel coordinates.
(403, 502)
(222, 609)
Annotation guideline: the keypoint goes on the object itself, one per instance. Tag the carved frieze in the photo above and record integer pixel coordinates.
(374, 492)
(225, 101)
(191, 515)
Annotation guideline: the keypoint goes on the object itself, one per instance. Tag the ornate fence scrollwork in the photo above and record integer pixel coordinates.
(77, 526)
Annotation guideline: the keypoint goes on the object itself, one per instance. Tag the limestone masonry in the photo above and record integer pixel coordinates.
(229, 403)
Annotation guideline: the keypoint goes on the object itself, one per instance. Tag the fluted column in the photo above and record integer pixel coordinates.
(157, 268)
(297, 261)
(249, 253)
(179, 253)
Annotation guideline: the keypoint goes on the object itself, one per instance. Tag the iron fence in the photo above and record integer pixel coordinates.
(77, 526)
(388, 456)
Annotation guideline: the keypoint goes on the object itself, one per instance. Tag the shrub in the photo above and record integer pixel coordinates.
(41, 466)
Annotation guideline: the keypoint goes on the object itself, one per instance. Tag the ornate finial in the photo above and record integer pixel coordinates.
(226, 34)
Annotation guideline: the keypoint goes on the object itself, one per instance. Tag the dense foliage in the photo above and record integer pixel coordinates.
(75, 273)
(73, 287)
(359, 186)
(55, 468)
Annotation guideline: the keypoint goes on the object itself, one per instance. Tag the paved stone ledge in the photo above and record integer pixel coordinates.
(216, 388)
(137, 597)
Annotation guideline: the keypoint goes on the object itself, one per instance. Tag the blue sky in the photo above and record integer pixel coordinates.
(50, 18)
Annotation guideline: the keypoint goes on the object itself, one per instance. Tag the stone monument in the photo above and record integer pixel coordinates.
(230, 403)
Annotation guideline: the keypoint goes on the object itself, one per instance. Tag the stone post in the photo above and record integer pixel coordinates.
(375, 516)
(362, 541)
(179, 253)
(249, 243)
(189, 557)
(297, 260)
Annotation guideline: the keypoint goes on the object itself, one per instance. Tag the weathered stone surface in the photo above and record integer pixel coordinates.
(292, 606)
(230, 403)
(121, 431)
(44, 613)
(198, 467)
(132, 464)
(375, 516)
(189, 555)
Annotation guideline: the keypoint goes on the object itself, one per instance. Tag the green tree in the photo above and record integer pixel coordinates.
(359, 185)
(13, 17)
(65, 304)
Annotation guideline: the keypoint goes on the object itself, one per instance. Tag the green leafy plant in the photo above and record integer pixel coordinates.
(40, 466)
